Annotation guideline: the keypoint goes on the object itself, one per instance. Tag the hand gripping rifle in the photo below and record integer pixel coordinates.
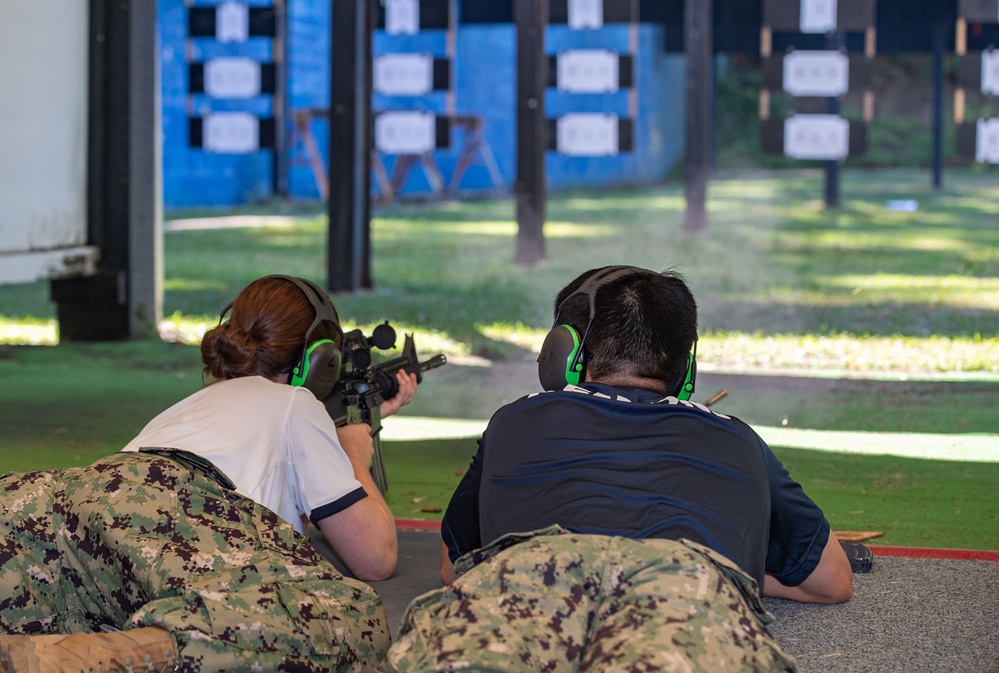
(363, 386)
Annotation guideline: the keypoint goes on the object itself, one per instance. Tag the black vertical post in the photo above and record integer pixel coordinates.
(348, 245)
(939, 45)
(712, 139)
(530, 187)
(123, 300)
(699, 80)
(279, 166)
(834, 41)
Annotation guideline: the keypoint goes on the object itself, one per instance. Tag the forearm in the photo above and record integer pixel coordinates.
(774, 588)
(830, 582)
(448, 575)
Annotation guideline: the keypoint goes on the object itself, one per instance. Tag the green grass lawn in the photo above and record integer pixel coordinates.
(875, 300)
(75, 403)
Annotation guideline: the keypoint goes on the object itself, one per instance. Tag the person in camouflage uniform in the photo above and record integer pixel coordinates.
(658, 522)
(162, 540)
(193, 556)
(558, 602)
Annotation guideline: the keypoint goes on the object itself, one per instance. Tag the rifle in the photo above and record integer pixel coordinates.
(363, 386)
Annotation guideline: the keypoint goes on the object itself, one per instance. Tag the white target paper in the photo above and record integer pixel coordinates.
(232, 78)
(587, 71)
(818, 16)
(230, 133)
(232, 22)
(816, 73)
(403, 74)
(990, 72)
(405, 132)
(587, 134)
(816, 136)
(586, 14)
(987, 141)
(402, 17)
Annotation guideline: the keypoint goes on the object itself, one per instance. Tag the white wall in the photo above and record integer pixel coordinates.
(43, 140)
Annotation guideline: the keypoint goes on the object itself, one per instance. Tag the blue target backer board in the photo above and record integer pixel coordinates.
(217, 66)
(195, 39)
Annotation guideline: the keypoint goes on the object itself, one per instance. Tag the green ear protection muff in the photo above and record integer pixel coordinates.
(562, 360)
(559, 363)
(318, 368)
(687, 389)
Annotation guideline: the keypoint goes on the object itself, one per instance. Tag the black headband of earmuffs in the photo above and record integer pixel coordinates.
(318, 367)
(562, 360)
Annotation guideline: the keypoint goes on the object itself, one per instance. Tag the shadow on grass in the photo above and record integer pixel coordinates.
(772, 261)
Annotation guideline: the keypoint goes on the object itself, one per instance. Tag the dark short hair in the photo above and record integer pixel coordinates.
(644, 324)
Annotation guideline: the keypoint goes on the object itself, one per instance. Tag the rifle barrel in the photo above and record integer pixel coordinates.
(436, 361)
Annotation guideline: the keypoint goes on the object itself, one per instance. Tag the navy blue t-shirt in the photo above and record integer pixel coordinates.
(612, 461)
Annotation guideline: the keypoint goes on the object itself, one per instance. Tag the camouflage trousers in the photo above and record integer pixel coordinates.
(141, 540)
(558, 602)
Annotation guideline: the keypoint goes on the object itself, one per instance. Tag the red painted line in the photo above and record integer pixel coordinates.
(417, 524)
(905, 552)
(926, 552)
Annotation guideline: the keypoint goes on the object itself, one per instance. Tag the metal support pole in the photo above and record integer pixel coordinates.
(530, 188)
(124, 212)
(348, 244)
(451, 52)
(280, 59)
(939, 45)
(699, 49)
(834, 41)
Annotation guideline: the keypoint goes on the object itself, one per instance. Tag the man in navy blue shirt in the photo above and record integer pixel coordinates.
(612, 485)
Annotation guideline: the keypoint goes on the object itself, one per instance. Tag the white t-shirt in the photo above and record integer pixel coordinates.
(275, 441)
